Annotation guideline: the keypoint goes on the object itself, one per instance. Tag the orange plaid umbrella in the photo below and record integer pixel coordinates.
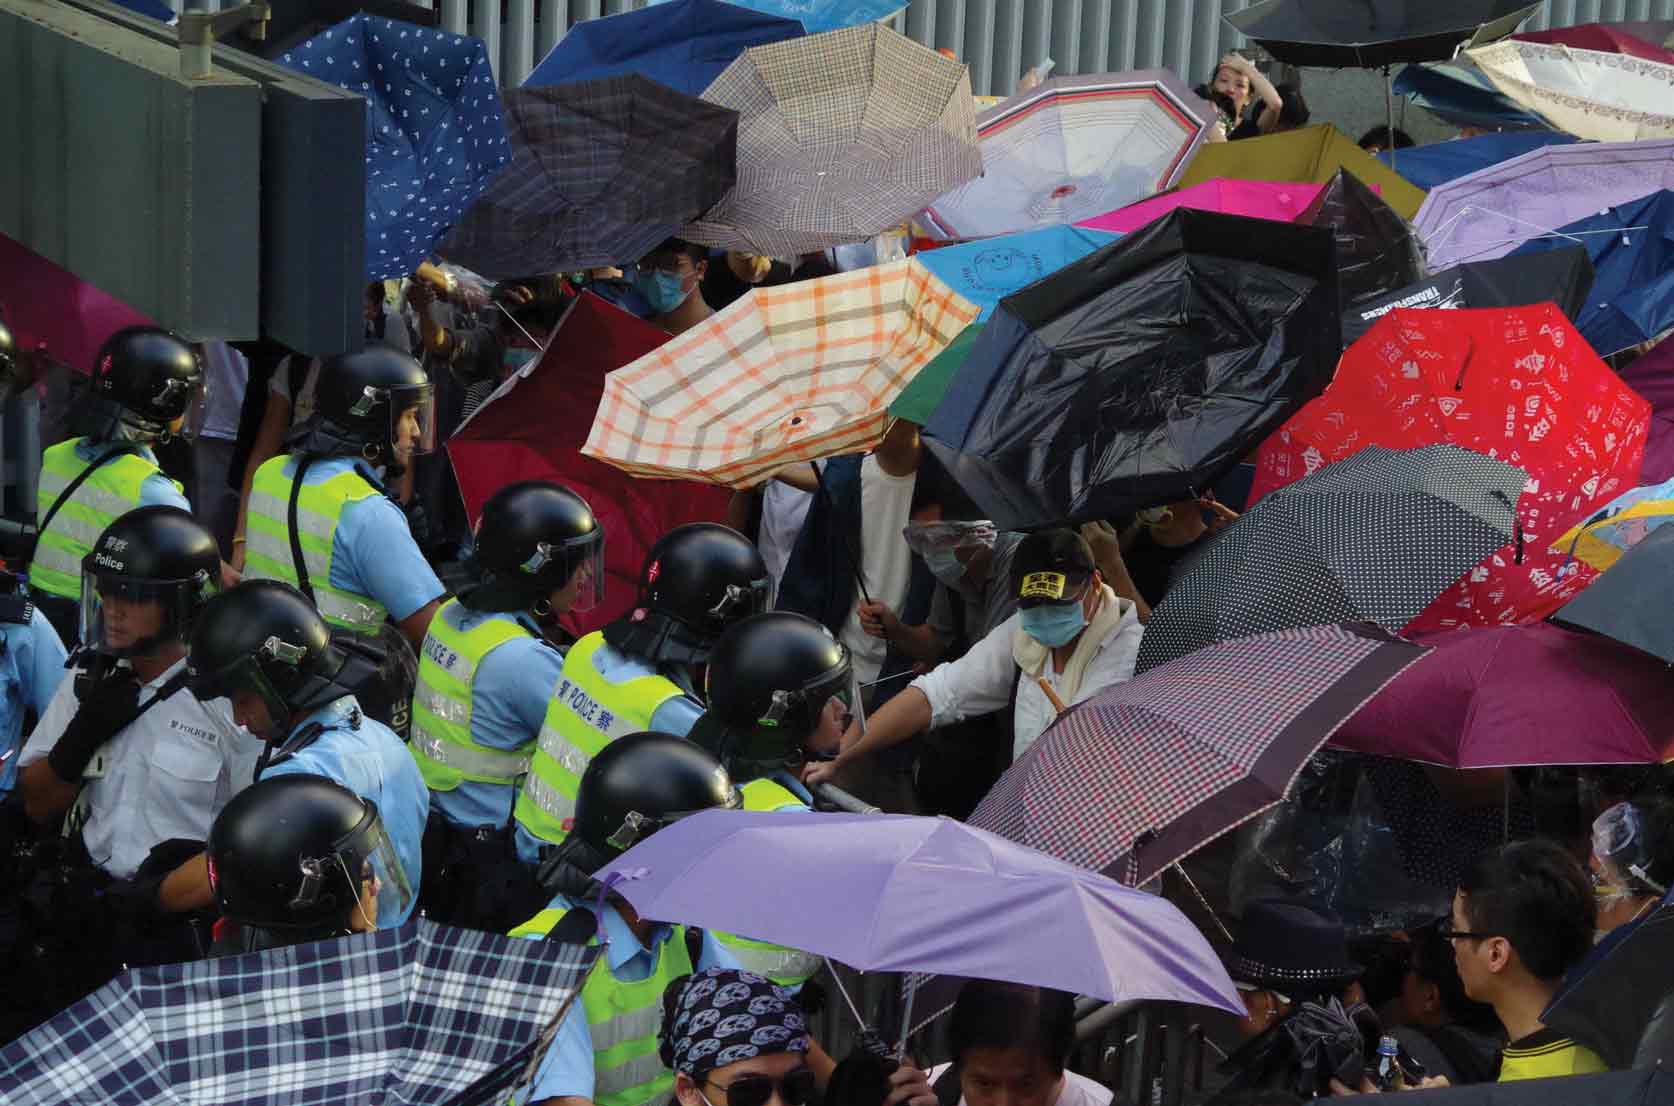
(784, 374)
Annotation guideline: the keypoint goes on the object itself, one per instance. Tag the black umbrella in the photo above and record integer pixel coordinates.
(1563, 276)
(1614, 1088)
(1374, 34)
(1143, 372)
(1375, 537)
(1610, 998)
(1629, 601)
(1377, 251)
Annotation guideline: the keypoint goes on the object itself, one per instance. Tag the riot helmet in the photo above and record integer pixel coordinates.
(145, 580)
(376, 404)
(14, 375)
(533, 538)
(698, 580)
(144, 379)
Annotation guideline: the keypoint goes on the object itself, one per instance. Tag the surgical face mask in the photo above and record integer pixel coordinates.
(944, 564)
(663, 291)
(1054, 624)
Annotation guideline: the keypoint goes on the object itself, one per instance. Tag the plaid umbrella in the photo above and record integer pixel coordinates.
(1073, 148)
(1144, 774)
(1374, 537)
(410, 1015)
(842, 136)
(784, 374)
(435, 136)
(602, 171)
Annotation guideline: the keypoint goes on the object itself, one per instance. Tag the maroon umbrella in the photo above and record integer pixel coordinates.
(1652, 376)
(1502, 696)
(1142, 775)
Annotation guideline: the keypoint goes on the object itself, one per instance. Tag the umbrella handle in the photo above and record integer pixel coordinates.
(1051, 695)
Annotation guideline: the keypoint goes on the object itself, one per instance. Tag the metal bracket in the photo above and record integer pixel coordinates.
(198, 31)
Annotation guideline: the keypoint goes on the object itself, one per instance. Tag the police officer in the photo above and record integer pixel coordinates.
(31, 668)
(350, 549)
(299, 858)
(485, 679)
(265, 648)
(606, 1048)
(641, 671)
(144, 379)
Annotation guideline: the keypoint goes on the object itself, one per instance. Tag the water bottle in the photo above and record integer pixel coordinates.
(1388, 1073)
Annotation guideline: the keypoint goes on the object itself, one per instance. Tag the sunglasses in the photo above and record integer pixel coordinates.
(1447, 933)
(795, 1089)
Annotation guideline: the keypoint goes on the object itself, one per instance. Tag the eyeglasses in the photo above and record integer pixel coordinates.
(796, 1088)
(1448, 933)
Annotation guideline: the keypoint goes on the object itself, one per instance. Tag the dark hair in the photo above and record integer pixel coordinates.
(1295, 112)
(694, 252)
(1384, 138)
(989, 1014)
(1535, 895)
(1432, 961)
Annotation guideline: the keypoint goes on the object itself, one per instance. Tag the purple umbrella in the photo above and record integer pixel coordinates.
(1491, 212)
(884, 892)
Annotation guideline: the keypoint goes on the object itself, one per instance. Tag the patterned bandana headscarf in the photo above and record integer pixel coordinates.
(724, 1015)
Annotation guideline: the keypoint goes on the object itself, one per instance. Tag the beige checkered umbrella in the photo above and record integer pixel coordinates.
(785, 374)
(841, 136)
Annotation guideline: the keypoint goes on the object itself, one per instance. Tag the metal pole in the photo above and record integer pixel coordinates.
(1389, 111)
(842, 800)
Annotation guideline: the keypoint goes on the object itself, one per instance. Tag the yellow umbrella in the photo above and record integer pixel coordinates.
(1309, 155)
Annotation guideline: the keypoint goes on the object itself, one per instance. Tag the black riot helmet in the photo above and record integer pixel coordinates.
(698, 580)
(144, 378)
(291, 857)
(375, 404)
(13, 375)
(151, 555)
(770, 678)
(532, 538)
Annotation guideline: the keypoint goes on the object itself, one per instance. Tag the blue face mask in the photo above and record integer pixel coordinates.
(663, 291)
(1054, 624)
(944, 565)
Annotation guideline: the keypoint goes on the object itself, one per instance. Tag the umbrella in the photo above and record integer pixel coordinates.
(1142, 775)
(1461, 95)
(823, 15)
(1628, 602)
(782, 375)
(1486, 698)
(1491, 212)
(987, 271)
(1371, 538)
(1518, 384)
(1282, 201)
(1071, 148)
(1651, 375)
(1644, 1087)
(1590, 94)
(48, 306)
(683, 44)
(889, 892)
(1440, 162)
(1619, 525)
(1376, 250)
(1609, 998)
(1369, 35)
(1632, 250)
(1641, 40)
(411, 1015)
(435, 135)
(1141, 373)
(533, 427)
(602, 171)
(842, 136)
(1309, 154)
(1563, 276)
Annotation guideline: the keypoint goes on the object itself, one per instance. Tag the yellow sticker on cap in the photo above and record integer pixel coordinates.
(1044, 585)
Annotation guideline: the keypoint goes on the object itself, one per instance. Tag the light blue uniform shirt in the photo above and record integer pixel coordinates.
(157, 490)
(567, 1067)
(373, 552)
(31, 668)
(373, 763)
(676, 717)
(509, 697)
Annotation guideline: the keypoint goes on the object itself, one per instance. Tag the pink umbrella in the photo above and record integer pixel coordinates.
(1282, 201)
(49, 306)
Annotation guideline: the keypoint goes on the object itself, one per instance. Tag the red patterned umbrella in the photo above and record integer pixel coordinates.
(1518, 384)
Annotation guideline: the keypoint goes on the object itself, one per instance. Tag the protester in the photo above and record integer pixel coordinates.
(736, 1035)
(1381, 138)
(1010, 1046)
(1632, 860)
(670, 278)
(1435, 1023)
(1161, 538)
(1248, 103)
(215, 487)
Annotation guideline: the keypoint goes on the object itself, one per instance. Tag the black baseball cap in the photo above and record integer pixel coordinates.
(1051, 566)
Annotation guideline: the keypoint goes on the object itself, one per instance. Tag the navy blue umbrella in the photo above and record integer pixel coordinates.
(684, 44)
(1463, 96)
(435, 132)
(824, 15)
(1440, 162)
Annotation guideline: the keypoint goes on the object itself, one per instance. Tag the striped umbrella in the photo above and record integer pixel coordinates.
(784, 374)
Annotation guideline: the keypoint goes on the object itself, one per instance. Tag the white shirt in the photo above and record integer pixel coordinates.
(283, 383)
(166, 776)
(1078, 1090)
(783, 511)
(981, 680)
(886, 561)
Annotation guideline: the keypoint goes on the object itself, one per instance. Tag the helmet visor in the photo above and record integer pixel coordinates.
(412, 420)
(241, 680)
(382, 876)
(125, 616)
(586, 557)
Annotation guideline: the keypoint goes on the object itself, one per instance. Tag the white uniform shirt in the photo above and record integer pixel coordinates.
(166, 776)
(981, 680)
(1078, 1090)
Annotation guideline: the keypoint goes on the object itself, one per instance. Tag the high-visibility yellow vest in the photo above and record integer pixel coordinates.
(586, 713)
(111, 492)
(784, 966)
(624, 1019)
(441, 730)
(318, 509)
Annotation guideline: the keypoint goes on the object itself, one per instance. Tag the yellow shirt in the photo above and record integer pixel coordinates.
(1545, 1053)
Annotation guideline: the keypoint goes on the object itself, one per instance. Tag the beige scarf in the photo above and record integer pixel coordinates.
(1032, 657)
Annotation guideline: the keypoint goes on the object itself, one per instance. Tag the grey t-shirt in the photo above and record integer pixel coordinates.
(996, 602)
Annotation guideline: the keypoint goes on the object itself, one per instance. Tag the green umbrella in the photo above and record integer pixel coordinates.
(919, 398)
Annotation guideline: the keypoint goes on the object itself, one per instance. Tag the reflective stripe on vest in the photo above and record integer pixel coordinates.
(623, 1020)
(441, 731)
(784, 966)
(319, 506)
(587, 712)
(111, 492)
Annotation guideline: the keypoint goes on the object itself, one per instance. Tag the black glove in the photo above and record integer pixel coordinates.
(107, 706)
